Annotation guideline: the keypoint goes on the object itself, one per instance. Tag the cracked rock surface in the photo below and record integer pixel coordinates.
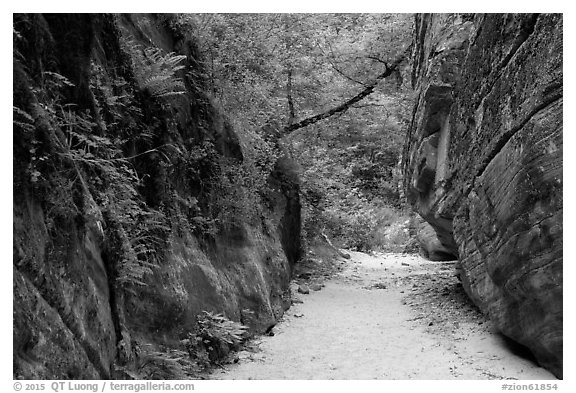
(483, 164)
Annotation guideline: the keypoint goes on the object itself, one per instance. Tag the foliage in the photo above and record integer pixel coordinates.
(276, 66)
(81, 172)
(218, 328)
(235, 192)
(115, 190)
(22, 119)
(349, 190)
(132, 169)
(232, 187)
(162, 364)
(125, 169)
(364, 226)
(215, 336)
(157, 71)
(251, 57)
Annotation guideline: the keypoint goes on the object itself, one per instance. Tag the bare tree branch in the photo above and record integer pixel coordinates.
(346, 76)
(379, 60)
(368, 105)
(292, 115)
(332, 63)
(348, 103)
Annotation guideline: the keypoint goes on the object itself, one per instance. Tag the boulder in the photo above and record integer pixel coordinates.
(483, 164)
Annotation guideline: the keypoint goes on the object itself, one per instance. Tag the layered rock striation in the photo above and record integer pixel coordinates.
(483, 163)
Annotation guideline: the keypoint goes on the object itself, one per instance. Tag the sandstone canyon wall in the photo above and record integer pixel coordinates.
(483, 163)
(116, 250)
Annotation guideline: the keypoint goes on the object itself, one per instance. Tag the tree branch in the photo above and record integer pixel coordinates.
(368, 105)
(292, 112)
(332, 61)
(347, 104)
(379, 60)
(346, 76)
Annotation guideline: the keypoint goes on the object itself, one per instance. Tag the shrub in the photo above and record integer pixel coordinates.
(215, 337)
(218, 328)
(364, 225)
(168, 364)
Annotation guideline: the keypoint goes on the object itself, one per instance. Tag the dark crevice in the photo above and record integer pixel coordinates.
(508, 135)
(518, 349)
(480, 27)
(112, 298)
(525, 33)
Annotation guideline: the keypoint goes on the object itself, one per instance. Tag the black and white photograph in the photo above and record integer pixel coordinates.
(286, 196)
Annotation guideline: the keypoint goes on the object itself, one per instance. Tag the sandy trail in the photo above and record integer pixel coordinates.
(390, 316)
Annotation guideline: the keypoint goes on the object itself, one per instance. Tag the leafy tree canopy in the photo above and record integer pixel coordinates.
(334, 86)
(257, 63)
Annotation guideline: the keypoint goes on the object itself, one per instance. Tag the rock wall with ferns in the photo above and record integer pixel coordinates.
(137, 213)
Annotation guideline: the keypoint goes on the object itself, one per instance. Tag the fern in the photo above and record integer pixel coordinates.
(26, 121)
(218, 328)
(168, 364)
(138, 226)
(155, 71)
(83, 162)
(215, 332)
(140, 236)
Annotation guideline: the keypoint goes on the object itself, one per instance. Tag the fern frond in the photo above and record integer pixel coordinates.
(28, 121)
(156, 72)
